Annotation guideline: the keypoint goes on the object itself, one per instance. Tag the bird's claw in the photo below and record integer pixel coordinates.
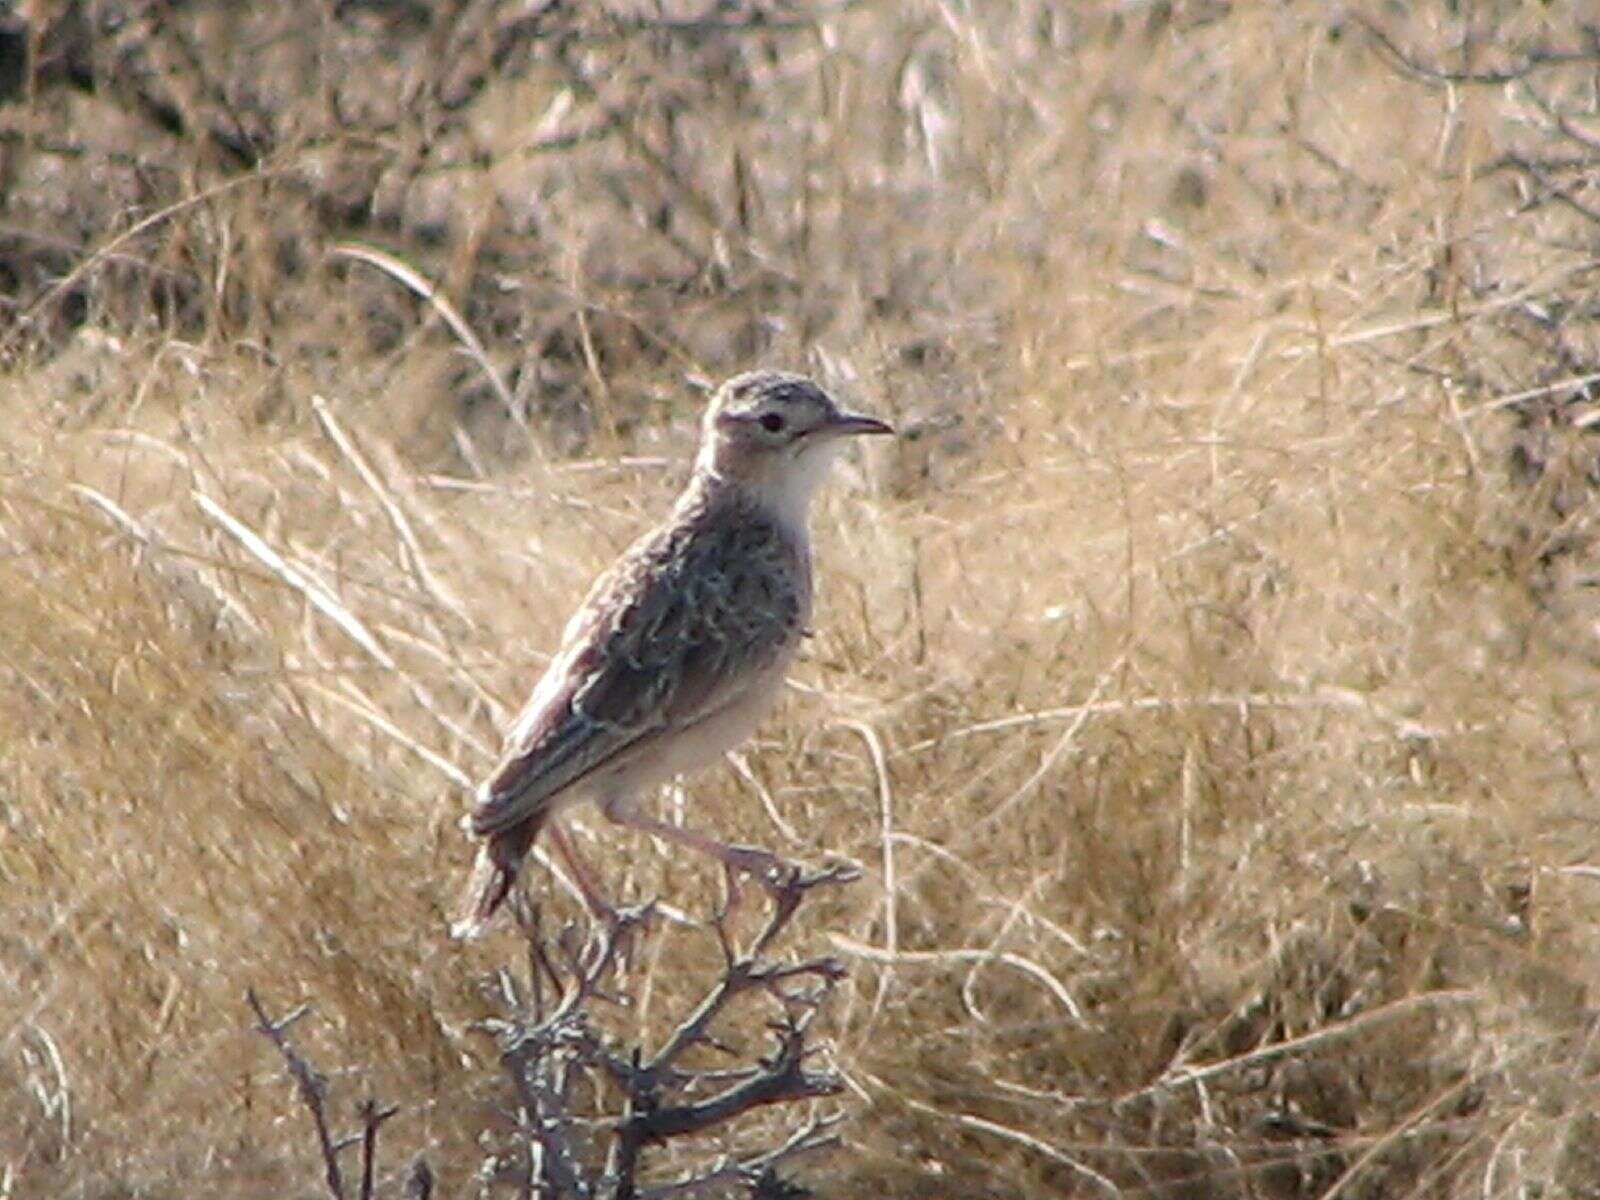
(776, 876)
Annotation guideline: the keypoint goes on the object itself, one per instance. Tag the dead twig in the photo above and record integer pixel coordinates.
(1529, 62)
(752, 1172)
(560, 1063)
(313, 1088)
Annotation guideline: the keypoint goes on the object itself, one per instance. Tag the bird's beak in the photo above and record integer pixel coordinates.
(851, 424)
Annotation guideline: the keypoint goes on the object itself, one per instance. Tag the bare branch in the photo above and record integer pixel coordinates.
(785, 1079)
(562, 1067)
(743, 972)
(1530, 62)
(815, 1135)
(1552, 189)
(372, 1116)
(313, 1087)
(1560, 120)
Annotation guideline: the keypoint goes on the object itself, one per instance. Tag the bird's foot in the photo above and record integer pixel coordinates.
(776, 876)
(763, 866)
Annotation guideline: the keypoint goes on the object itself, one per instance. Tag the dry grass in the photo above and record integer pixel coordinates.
(1208, 690)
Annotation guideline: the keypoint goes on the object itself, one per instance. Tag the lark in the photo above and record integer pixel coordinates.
(680, 648)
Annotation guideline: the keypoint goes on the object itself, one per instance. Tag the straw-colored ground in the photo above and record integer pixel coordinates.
(1224, 620)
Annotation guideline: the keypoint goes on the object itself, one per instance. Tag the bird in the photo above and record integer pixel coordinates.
(679, 649)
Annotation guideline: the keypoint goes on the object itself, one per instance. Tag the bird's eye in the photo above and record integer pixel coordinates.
(772, 422)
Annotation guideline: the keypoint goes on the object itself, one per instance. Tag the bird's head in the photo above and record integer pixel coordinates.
(776, 432)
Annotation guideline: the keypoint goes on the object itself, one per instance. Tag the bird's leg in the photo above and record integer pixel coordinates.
(774, 874)
(594, 899)
(619, 924)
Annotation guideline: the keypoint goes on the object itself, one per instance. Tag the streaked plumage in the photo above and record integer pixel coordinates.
(681, 647)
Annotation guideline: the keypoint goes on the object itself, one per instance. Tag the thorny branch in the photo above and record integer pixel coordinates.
(752, 1173)
(1529, 62)
(561, 1067)
(313, 1089)
(1540, 169)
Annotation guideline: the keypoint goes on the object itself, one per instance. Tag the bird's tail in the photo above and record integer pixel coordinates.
(499, 859)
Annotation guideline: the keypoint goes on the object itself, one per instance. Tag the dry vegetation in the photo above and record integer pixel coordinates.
(1206, 683)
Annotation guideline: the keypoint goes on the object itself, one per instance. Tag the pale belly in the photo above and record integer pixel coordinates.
(700, 745)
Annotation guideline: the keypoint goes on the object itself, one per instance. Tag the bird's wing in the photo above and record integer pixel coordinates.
(679, 629)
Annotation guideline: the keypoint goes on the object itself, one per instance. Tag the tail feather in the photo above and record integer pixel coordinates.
(493, 876)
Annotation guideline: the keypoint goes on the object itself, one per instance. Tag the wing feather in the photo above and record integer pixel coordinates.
(679, 629)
